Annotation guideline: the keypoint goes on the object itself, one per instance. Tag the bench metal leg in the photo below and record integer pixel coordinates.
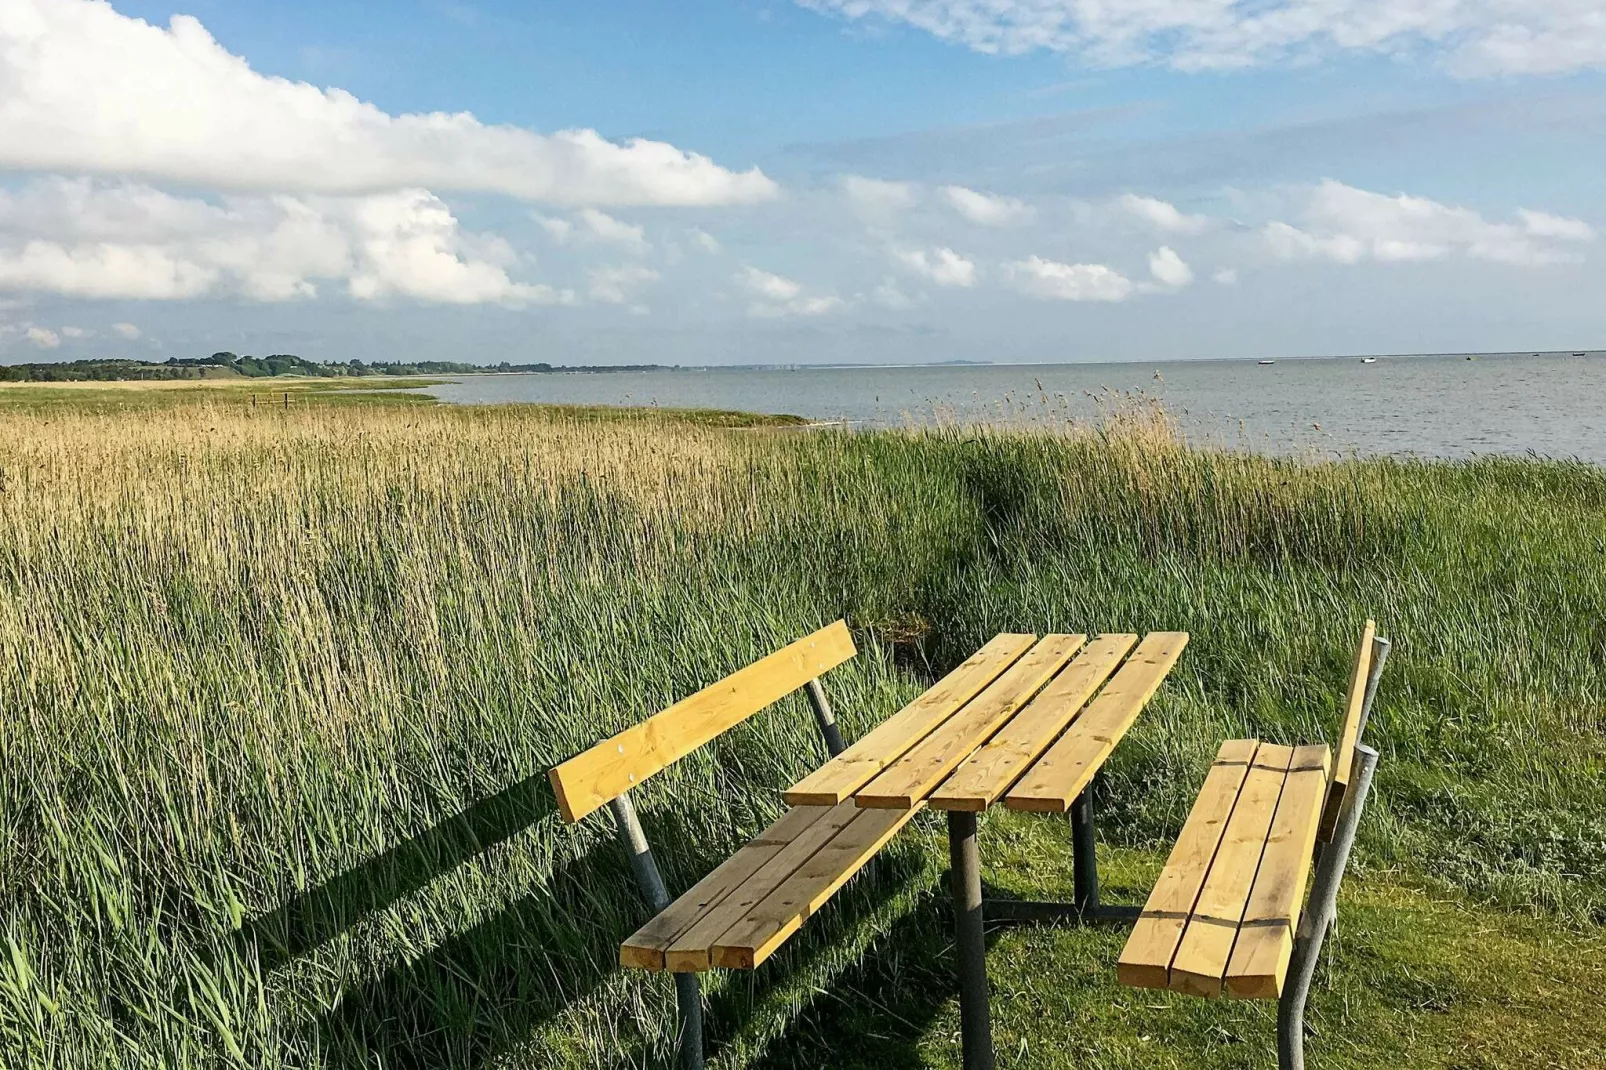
(1318, 918)
(1085, 859)
(825, 718)
(964, 874)
(688, 991)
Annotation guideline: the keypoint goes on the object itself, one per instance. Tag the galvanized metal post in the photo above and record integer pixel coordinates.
(1084, 856)
(1318, 917)
(970, 940)
(688, 993)
(827, 719)
(1380, 654)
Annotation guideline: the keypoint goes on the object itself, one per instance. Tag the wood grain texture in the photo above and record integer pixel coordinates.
(983, 777)
(887, 742)
(1265, 942)
(1146, 960)
(594, 777)
(1349, 733)
(1054, 781)
(1201, 959)
(906, 782)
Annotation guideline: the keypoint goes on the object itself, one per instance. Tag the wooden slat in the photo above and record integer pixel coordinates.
(887, 742)
(1349, 733)
(645, 949)
(1146, 959)
(1265, 942)
(988, 773)
(1201, 960)
(1058, 777)
(911, 778)
(768, 925)
(689, 952)
(593, 777)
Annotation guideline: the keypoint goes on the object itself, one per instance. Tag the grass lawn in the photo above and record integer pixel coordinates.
(278, 689)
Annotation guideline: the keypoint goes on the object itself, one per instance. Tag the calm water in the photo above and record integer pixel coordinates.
(1428, 406)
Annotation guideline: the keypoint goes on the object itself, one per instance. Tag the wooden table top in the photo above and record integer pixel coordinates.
(1013, 723)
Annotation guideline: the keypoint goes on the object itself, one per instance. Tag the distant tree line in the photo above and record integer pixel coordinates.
(229, 365)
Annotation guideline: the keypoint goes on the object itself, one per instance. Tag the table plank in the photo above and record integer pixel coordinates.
(1265, 943)
(1201, 960)
(911, 778)
(988, 773)
(1146, 960)
(1055, 780)
(887, 742)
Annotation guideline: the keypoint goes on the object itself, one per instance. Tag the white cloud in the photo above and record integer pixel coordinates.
(890, 296)
(941, 266)
(1471, 37)
(86, 90)
(987, 209)
(1226, 277)
(127, 330)
(1162, 214)
(775, 296)
(605, 228)
(559, 230)
(1347, 225)
(1168, 268)
(84, 239)
(704, 240)
(1069, 282)
(614, 285)
(43, 337)
(878, 200)
(74, 332)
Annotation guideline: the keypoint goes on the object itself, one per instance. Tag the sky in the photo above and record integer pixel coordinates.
(799, 181)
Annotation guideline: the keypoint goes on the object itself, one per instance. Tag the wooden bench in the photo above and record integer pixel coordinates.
(1225, 916)
(744, 910)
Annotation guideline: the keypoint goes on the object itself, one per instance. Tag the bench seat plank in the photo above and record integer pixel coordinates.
(1058, 777)
(1265, 943)
(989, 772)
(1146, 960)
(745, 945)
(645, 949)
(1206, 946)
(689, 952)
(887, 742)
(912, 777)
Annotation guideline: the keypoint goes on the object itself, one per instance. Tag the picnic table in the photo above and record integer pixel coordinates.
(1012, 725)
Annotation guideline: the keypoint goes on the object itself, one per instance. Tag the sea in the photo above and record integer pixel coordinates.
(1456, 406)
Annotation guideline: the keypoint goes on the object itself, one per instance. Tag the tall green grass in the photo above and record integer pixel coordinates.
(277, 690)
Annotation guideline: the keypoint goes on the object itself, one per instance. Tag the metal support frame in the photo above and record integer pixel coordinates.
(970, 937)
(826, 719)
(1319, 916)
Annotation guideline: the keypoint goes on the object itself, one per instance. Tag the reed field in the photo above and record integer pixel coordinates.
(279, 686)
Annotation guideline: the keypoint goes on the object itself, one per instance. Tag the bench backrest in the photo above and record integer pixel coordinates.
(1357, 706)
(597, 776)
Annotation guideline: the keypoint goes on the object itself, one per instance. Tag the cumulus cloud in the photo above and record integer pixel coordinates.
(1169, 269)
(1226, 276)
(1052, 280)
(942, 266)
(592, 226)
(85, 239)
(1471, 37)
(1161, 214)
(86, 90)
(127, 330)
(775, 296)
(703, 240)
(878, 200)
(987, 209)
(614, 285)
(43, 337)
(1348, 225)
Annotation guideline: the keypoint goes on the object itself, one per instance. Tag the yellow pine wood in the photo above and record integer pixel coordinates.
(645, 949)
(987, 774)
(911, 778)
(757, 936)
(689, 952)
(1201, 959)
(596, 776)
(1055, 780)
(1349, 733)
(1146, 960)
(857, 765)
(1265, 942)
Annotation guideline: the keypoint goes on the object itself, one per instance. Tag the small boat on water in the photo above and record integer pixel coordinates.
(1368, 360)
(1580, 354)
(1268, 362)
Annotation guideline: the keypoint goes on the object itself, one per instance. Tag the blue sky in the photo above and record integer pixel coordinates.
(820, 180)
